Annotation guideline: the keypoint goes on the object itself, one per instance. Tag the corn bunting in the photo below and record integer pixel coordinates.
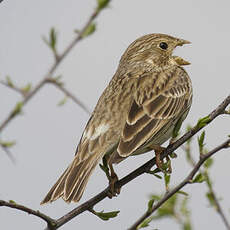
(149, 95)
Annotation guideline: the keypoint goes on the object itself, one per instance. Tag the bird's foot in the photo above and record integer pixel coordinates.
(113, 178)
(165, 167)
(113, 191)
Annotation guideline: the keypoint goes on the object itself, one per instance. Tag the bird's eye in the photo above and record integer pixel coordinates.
(163, 45)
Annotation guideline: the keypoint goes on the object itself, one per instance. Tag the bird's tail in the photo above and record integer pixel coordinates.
(71, 185)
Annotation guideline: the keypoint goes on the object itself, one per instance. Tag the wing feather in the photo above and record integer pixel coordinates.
(155, 110)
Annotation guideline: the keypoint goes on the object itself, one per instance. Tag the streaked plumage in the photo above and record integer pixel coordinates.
(137, 112)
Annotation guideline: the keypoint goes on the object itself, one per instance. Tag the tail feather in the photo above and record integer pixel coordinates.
(82, 182)
(71, 185)
(77, 176)
(57, 190)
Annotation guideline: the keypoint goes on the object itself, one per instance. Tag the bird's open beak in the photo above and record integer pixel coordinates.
(180, 61)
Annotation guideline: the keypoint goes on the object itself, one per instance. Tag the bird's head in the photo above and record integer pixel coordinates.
(154, 49)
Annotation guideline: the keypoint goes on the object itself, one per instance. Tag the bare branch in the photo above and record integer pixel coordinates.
(15, 88)
(186, 181)
(219, 208)
(53, 68)
(50, 222)
(69, 94)
(217, 205)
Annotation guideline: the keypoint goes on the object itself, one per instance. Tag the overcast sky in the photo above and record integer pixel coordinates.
(47, 135)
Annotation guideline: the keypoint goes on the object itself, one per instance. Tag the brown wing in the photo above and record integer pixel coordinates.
(159, 99)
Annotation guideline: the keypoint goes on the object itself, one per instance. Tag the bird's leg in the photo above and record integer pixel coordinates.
(158, 150)
(160, 163)
(112, 180)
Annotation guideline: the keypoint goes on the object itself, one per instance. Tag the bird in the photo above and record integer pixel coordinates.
(149, 95)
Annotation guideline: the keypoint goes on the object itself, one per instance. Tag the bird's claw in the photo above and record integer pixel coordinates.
(164, 167)
(113, 191)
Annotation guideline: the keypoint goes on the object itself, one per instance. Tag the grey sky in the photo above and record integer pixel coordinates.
(47, 135)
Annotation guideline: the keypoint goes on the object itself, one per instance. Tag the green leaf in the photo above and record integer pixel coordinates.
(188, 128)
(145, 223)
(89, 30)
(53, 38)
(168, 208)
(9, 81)
(203, 122)
(208, 163)
(52, 41)
(155, 197)
(184, 210)
(177, 128)
(27, 88)
(167, 180)
(187, 226)
(173, 155)
(211, 199)
(105, 167)
(157, 176)
(57, 78)
(12, 202)
(101, 4)
(106, 215)
(63, 101)
(154, 174)
(183, 193)
(17, 109)
(7, 144)
(199, 178)
(201, 142)
(150, 205)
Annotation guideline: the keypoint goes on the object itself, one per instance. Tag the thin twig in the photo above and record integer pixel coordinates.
(217, 205)
(50, 222)
(53, 68)
(69, 94)
(219, 208)
(186, 181)
(15, 88)
(8, 153)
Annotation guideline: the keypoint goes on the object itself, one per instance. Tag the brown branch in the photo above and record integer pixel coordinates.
(13, 87)
(88, 205)
(186, 181)
(219, 208)
(53, 68)
(50, 222)
(217, 205)
(68, 94)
